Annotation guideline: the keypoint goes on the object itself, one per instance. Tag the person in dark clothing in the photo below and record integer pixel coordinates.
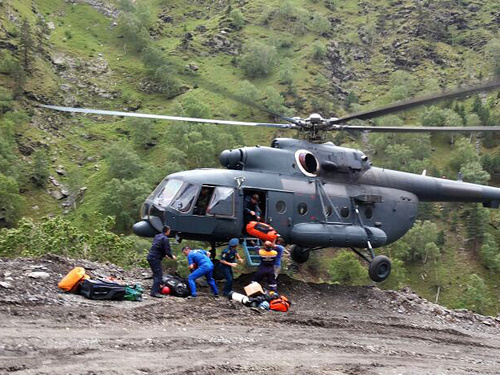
(227, 262)
(252, 210)
(159, 250)
(266, 267)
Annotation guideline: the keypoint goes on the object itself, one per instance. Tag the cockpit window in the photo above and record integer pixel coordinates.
(167, 193)
(185, 198)
(222, 202)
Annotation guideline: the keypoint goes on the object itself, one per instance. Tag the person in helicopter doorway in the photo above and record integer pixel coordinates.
(199, 265)
(227, 262)
(265, 270)
(159, 250)
(252, 210)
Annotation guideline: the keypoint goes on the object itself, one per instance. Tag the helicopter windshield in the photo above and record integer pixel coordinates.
(222, 202)
(167, 193)
(185, 198)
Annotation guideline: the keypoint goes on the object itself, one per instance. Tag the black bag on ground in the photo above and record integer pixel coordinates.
(178, 286)
(102, 290)
(218, 274)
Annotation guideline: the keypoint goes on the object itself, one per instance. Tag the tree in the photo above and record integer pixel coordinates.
(475, 296)
(474, 172)
(258, 60)
(142, 131)
(433, 117)
(286, 72)
(40, 172)
(123, 162)
(26, 45)
(490, 253)
(248, 91)
(493, 49)
(122, 199)
(418, 238)
(274, 101)
(318, 51)
(11, 202)
(320, 24)
(237, 19)
(345, 269)
(166, 80)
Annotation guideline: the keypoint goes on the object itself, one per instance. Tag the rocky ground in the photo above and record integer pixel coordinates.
(329, 329)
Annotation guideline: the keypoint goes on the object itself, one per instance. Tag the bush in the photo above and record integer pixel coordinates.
(476, 295)
(123, 162)
(11, 202)
(237, 18)
(346, 269)
(58, 236)
(258, 60)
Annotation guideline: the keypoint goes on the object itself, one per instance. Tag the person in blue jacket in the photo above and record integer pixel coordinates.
(199, 265)
(279, 249)
(159, 250)
(227, 262)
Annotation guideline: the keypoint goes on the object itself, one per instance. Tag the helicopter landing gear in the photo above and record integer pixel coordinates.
(299, 254)
(380, 268)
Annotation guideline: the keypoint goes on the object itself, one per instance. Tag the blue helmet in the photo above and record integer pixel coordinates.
(234, 242)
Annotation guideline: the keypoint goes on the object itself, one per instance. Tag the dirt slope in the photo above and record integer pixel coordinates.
(330, 329)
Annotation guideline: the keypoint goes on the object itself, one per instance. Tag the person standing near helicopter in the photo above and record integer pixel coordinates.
(159, 250)
(227, 262)
(199, 265)
(265, 270)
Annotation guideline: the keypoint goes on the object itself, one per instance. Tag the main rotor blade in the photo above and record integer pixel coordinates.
(415, 129)
(407, 104)
(162, 117)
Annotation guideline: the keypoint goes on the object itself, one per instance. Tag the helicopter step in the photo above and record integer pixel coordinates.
(251, 247)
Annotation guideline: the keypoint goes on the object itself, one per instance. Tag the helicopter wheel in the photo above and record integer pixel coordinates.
(380, 268)
(299, 254)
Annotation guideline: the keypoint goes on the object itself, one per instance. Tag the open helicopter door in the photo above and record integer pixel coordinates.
(280, 211)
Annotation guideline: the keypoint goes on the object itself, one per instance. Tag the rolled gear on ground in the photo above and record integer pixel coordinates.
(263, 231)
(280, 304)
(177, 285)
(102, 290)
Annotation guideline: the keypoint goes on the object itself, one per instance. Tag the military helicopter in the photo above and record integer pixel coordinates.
(316, 195)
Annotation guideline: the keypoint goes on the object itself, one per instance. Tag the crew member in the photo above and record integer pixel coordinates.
(159, 249)
(199, 265)
(279, 249)
(228, 262)
(265, 270)
(252, 209)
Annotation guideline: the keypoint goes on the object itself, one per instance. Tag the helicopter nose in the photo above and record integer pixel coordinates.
(144, 229)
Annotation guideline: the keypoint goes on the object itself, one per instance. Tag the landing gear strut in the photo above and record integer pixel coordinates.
(379, 267)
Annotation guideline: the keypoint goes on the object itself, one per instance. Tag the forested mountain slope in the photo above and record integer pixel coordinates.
(192, 59)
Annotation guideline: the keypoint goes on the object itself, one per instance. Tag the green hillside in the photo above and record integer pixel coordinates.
(204, 59)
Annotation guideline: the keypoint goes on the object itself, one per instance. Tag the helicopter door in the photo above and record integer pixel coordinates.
(280, 211)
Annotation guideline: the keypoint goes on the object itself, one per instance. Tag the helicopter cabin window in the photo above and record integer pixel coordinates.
(280, 207)
(185, 198)
(168, 192)
(368, 213)
(200, 208)
(328, 210)
(222, 202)
(302, 208)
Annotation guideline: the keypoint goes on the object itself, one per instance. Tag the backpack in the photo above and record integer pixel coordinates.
(280, 304)
(263, 231)
(178, 286)
(133, 292)
(72, 281)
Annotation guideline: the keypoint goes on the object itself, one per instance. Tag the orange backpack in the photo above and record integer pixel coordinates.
(263, 231)
(73, 279)
(280, 304)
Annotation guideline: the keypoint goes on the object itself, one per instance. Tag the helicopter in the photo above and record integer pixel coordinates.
(315, 195)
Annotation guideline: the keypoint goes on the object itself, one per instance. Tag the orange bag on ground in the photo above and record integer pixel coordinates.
(263, 231)
(73, 279)
(280, 304)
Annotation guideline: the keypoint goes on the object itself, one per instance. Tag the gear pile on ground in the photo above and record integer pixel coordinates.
(329, 329)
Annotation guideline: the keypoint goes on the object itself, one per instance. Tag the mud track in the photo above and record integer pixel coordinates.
(329, 330)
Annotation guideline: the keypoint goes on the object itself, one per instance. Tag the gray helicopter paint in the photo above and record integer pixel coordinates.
(364, 203)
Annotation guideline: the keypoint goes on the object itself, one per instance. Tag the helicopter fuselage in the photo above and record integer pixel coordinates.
(313, 195)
